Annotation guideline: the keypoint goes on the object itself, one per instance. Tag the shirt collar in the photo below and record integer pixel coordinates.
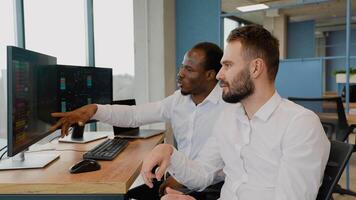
(241, 113)
(263, 113)
(214, 96)
(269, 107)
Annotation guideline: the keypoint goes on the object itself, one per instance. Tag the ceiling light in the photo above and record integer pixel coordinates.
(252, 7)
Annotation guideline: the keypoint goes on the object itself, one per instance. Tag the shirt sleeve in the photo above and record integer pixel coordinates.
(134, 116)
(305, 151)
(199, 173)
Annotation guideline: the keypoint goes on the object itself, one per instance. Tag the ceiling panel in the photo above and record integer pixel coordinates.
(326, 13)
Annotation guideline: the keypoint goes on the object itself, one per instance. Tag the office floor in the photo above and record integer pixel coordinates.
(352, 175)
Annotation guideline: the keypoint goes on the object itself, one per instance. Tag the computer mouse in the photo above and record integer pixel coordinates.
(86, 165)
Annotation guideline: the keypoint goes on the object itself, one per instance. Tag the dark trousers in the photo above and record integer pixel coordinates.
(143, 192)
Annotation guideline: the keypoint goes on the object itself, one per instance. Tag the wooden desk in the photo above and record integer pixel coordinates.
(351, 104)
(351, 118)
(115, 177)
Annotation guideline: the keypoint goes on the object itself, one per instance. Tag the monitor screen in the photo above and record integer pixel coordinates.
(78, 86)
(28, 117)
(74, 87)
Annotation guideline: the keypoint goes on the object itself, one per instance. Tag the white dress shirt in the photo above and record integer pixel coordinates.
(192, 124)
(279, 154)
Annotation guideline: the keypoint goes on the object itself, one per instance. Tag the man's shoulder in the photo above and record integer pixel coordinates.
(294, 109)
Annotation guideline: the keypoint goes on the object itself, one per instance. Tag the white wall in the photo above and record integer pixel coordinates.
(154, 30)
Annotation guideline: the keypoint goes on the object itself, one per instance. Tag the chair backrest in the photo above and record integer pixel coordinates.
(352, 93)
(339, 156)
(331, 113)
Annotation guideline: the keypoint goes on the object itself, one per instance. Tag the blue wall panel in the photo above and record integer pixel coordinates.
(335, 46)
(300, 78)
(301, 42)
(196, 21)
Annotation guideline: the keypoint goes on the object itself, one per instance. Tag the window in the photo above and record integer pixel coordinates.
(56, 28)
(114, 43)
(229, 25)
(7, 37)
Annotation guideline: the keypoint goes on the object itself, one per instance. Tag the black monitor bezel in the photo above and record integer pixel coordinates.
(11, 51)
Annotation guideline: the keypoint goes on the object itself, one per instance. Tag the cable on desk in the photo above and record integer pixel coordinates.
(2, 155)
(3, 148)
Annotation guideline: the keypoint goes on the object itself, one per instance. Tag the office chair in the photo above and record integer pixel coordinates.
(352, 91)
(333, 118)
(339, 156)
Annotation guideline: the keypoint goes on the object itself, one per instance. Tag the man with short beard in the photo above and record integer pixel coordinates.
(268, 147)
(192, 110)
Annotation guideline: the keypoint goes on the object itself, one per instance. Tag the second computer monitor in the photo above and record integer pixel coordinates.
(77, 86)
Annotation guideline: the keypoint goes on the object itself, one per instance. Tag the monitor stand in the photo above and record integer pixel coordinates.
(30, 161)
(78, 136)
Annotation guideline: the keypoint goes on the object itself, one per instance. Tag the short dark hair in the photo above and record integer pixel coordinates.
(213, 55)
(257, 42)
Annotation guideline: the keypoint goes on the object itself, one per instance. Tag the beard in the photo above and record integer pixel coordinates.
(183, 90)
(240, 88)
(184, 93)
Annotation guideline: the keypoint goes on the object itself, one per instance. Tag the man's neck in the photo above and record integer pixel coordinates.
(198, 98)
(254, 102)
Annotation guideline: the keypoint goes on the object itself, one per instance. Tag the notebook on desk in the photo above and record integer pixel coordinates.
(136, 132)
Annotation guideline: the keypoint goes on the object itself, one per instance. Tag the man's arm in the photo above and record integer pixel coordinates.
(118, 115)
(134, 116)
(195, 174)
(305, 151)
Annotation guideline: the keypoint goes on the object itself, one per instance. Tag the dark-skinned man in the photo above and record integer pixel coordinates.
(192, 110)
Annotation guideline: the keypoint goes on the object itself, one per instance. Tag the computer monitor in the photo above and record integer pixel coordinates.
(27, 123)
(77, 86)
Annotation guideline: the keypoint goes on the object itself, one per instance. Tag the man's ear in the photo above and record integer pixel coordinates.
(211, 74)
(257, 67)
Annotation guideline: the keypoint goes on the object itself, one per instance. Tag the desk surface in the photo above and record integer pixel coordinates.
(351, 118)
(115, 177)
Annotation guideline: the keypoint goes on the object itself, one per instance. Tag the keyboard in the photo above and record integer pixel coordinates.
(107, 150)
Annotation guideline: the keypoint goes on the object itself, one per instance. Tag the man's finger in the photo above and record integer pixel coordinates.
(161, 170)
(58, 124)
(147, 179)
(64, 128)
(58, 114)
